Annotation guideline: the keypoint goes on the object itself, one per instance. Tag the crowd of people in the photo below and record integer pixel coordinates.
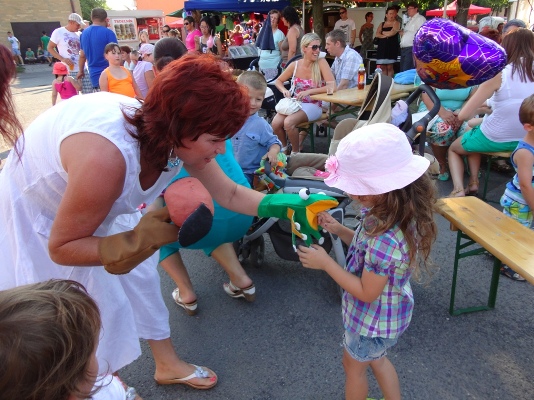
(84, 213)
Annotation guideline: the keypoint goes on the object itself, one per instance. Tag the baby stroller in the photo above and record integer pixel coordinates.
(376, 108)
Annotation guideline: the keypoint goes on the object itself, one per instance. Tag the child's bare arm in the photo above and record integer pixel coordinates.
(272, 154)
(367, 288)
(525, 160)
(103, 82)
(330, 224)
(54, 93)
(76, 83)
(137, 91)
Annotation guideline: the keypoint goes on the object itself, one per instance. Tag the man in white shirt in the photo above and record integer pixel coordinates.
(415, 21)
(347, 25)
(67, 41)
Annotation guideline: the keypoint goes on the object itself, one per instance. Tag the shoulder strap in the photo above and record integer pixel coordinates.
(292, 88)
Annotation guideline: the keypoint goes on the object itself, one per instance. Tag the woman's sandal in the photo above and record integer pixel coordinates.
(510, 273)
(248, 293)
(190, 308)
(455, 193)
(200, 372)
(468, 191)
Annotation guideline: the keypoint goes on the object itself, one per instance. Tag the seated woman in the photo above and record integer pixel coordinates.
(309, 75)
(500, 130)
(447, 126)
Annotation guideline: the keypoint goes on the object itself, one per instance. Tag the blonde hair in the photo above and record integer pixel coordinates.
(253, 79)
(48, 332)
(316, 71)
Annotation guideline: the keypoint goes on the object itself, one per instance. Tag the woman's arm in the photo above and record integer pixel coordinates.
(292, 35)
(103, 82)
(219, 45)
(360, 34)
(226, 192)
(483, 93)
(149, 77)
(326, 74)
(379, 33)
(138, 93)
(284, 76)
(96, 172)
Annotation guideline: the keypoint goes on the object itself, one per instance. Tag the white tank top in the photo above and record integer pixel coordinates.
(503, 125)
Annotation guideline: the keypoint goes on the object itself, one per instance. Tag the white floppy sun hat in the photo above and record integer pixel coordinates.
(373, 160)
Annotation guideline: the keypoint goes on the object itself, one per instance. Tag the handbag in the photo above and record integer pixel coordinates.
(289, 105)
(375, 41)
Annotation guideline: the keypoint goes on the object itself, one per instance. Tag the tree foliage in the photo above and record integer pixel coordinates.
(88, 5)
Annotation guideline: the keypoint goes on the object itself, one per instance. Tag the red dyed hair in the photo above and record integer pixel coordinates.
(191, 96)
(10, 128)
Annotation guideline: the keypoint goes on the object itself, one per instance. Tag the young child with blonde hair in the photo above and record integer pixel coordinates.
(518, 198)
(391, 244)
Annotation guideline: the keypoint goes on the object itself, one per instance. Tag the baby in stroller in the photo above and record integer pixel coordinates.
(304, 177)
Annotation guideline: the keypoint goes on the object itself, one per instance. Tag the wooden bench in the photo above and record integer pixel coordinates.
(479, 223)
(491, 157)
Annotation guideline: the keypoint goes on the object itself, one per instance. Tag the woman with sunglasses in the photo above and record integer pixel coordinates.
(310, 73)
(191, 34)
(290, 46)
(208, 42)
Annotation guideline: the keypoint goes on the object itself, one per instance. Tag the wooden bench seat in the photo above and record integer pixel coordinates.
(479, 223)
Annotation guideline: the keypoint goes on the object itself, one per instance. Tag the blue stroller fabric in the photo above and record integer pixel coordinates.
(405, 77)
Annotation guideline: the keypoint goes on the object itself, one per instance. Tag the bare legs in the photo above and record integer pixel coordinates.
(224, 255)
(387, 69)
(356, 386)
(456, 167)
(170, 366)
(285, 127)
(440, 152)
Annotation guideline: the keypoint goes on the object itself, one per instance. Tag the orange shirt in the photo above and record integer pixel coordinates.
(121, 86)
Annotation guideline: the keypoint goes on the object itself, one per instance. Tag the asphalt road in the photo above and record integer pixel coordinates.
(287, 345)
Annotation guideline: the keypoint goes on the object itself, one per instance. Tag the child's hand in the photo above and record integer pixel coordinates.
(314, 257)
(329, 223)
(272, 156)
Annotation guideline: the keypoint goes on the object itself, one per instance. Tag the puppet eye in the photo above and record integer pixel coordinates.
(304, 193)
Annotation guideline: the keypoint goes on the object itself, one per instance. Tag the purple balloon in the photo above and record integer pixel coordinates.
(450, 56)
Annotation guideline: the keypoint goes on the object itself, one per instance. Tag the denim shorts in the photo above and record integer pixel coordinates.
(365, 349)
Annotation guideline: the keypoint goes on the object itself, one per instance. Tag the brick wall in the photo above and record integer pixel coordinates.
(37, 12)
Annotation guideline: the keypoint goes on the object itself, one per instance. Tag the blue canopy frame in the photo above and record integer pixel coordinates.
(235, 5)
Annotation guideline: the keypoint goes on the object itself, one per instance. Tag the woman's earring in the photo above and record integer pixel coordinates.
(173, 161)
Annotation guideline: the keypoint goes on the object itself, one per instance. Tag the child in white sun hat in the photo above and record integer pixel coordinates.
(375, 166)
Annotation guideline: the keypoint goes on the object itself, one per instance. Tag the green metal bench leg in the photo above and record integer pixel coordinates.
(494, 277)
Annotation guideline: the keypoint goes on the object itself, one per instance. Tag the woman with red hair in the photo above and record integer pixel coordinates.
(88, 162)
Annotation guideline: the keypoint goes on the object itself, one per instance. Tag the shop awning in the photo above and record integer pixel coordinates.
(451, 10)
(234, 5)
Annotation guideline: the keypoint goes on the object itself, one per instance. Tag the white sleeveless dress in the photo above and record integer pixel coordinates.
(30, 193)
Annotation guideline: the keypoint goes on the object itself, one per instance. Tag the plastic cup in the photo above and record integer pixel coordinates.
(330, 85)
(71, 67)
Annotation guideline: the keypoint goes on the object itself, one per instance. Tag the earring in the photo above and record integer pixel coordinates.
(173, 161)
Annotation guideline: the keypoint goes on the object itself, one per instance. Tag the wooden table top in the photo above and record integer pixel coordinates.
(355, 97)
(502, 236)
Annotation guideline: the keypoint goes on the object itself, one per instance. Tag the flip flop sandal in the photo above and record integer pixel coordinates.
(248, 293)
(190, 308)
(510, 273)
(200, 372)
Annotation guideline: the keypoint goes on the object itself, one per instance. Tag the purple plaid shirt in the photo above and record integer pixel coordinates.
(386, 255)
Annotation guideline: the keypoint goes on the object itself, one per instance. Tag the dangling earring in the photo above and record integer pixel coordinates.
(173, 161)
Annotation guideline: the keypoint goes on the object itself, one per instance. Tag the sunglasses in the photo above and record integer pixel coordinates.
(186, 23)
(342, 12)
(166, 31)
(315, 47)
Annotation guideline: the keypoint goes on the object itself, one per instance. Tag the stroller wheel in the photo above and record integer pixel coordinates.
(257, 252)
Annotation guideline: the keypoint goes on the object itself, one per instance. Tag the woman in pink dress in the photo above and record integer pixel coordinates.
(192, 32)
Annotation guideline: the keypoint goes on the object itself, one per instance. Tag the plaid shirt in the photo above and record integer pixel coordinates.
(390, 314)
(346, 67)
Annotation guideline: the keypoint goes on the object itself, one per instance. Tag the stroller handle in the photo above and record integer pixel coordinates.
(420, 126)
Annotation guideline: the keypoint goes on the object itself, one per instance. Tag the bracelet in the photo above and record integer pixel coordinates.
(131, 394)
